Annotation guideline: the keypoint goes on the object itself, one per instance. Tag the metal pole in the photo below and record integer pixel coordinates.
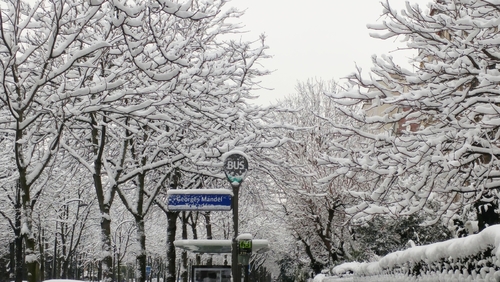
(246, 273)
(234, 250)
(235, 168)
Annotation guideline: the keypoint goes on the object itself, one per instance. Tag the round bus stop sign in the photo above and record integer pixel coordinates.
(235, 168)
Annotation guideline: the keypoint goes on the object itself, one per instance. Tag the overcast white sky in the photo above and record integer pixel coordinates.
(321, 39)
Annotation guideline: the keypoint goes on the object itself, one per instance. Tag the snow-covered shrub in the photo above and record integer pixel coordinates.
(475, 256)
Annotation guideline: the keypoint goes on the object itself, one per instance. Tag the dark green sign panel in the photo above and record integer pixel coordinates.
(245, 246)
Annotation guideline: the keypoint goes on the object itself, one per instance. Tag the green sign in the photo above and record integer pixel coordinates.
(245, 246)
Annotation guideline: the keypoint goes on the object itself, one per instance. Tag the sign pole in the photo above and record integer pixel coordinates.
(245, 244)
(235, 168)
(246, 273)
(234, 250)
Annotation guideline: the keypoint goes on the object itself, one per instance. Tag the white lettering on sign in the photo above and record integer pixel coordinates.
(239, 164)
(212, 199)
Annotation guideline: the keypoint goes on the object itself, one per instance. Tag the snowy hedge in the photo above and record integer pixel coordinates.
(476, 257)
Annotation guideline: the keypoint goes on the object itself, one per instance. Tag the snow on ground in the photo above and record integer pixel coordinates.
(454, 249)
(404, 278)
(62, 280)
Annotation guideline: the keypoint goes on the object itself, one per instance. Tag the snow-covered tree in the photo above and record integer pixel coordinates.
(65, 216)
(314, 211)
(262, 216)
(32, 61)
(85, 62)
(428, 134)
(382, 235)
(183, 106)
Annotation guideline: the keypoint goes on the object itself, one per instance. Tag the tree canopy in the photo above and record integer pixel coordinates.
(132, 95)
(429, 133)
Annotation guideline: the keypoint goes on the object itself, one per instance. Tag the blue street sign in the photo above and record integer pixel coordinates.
(193, 201)
(148, 270)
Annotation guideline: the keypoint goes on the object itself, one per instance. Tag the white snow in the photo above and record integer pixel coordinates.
(396, 262)
(235, 151)
(199, 192)
(244, 236)
(62, 280)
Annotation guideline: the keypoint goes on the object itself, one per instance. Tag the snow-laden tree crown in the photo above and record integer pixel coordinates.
(134, 97)
(428, 135)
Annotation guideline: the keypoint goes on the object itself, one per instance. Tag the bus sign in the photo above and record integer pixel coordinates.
(235, 168)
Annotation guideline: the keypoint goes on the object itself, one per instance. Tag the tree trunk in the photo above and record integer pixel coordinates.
(64, 242)
(208, 226)
(41, 245)
(30, 256)
(104, 199)
(171, 231)
(19, 265)
(18, 241)
(107, 259)
(315, 265)
(118, 275)
(54, 259)
(184, 271)
(141, 257)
